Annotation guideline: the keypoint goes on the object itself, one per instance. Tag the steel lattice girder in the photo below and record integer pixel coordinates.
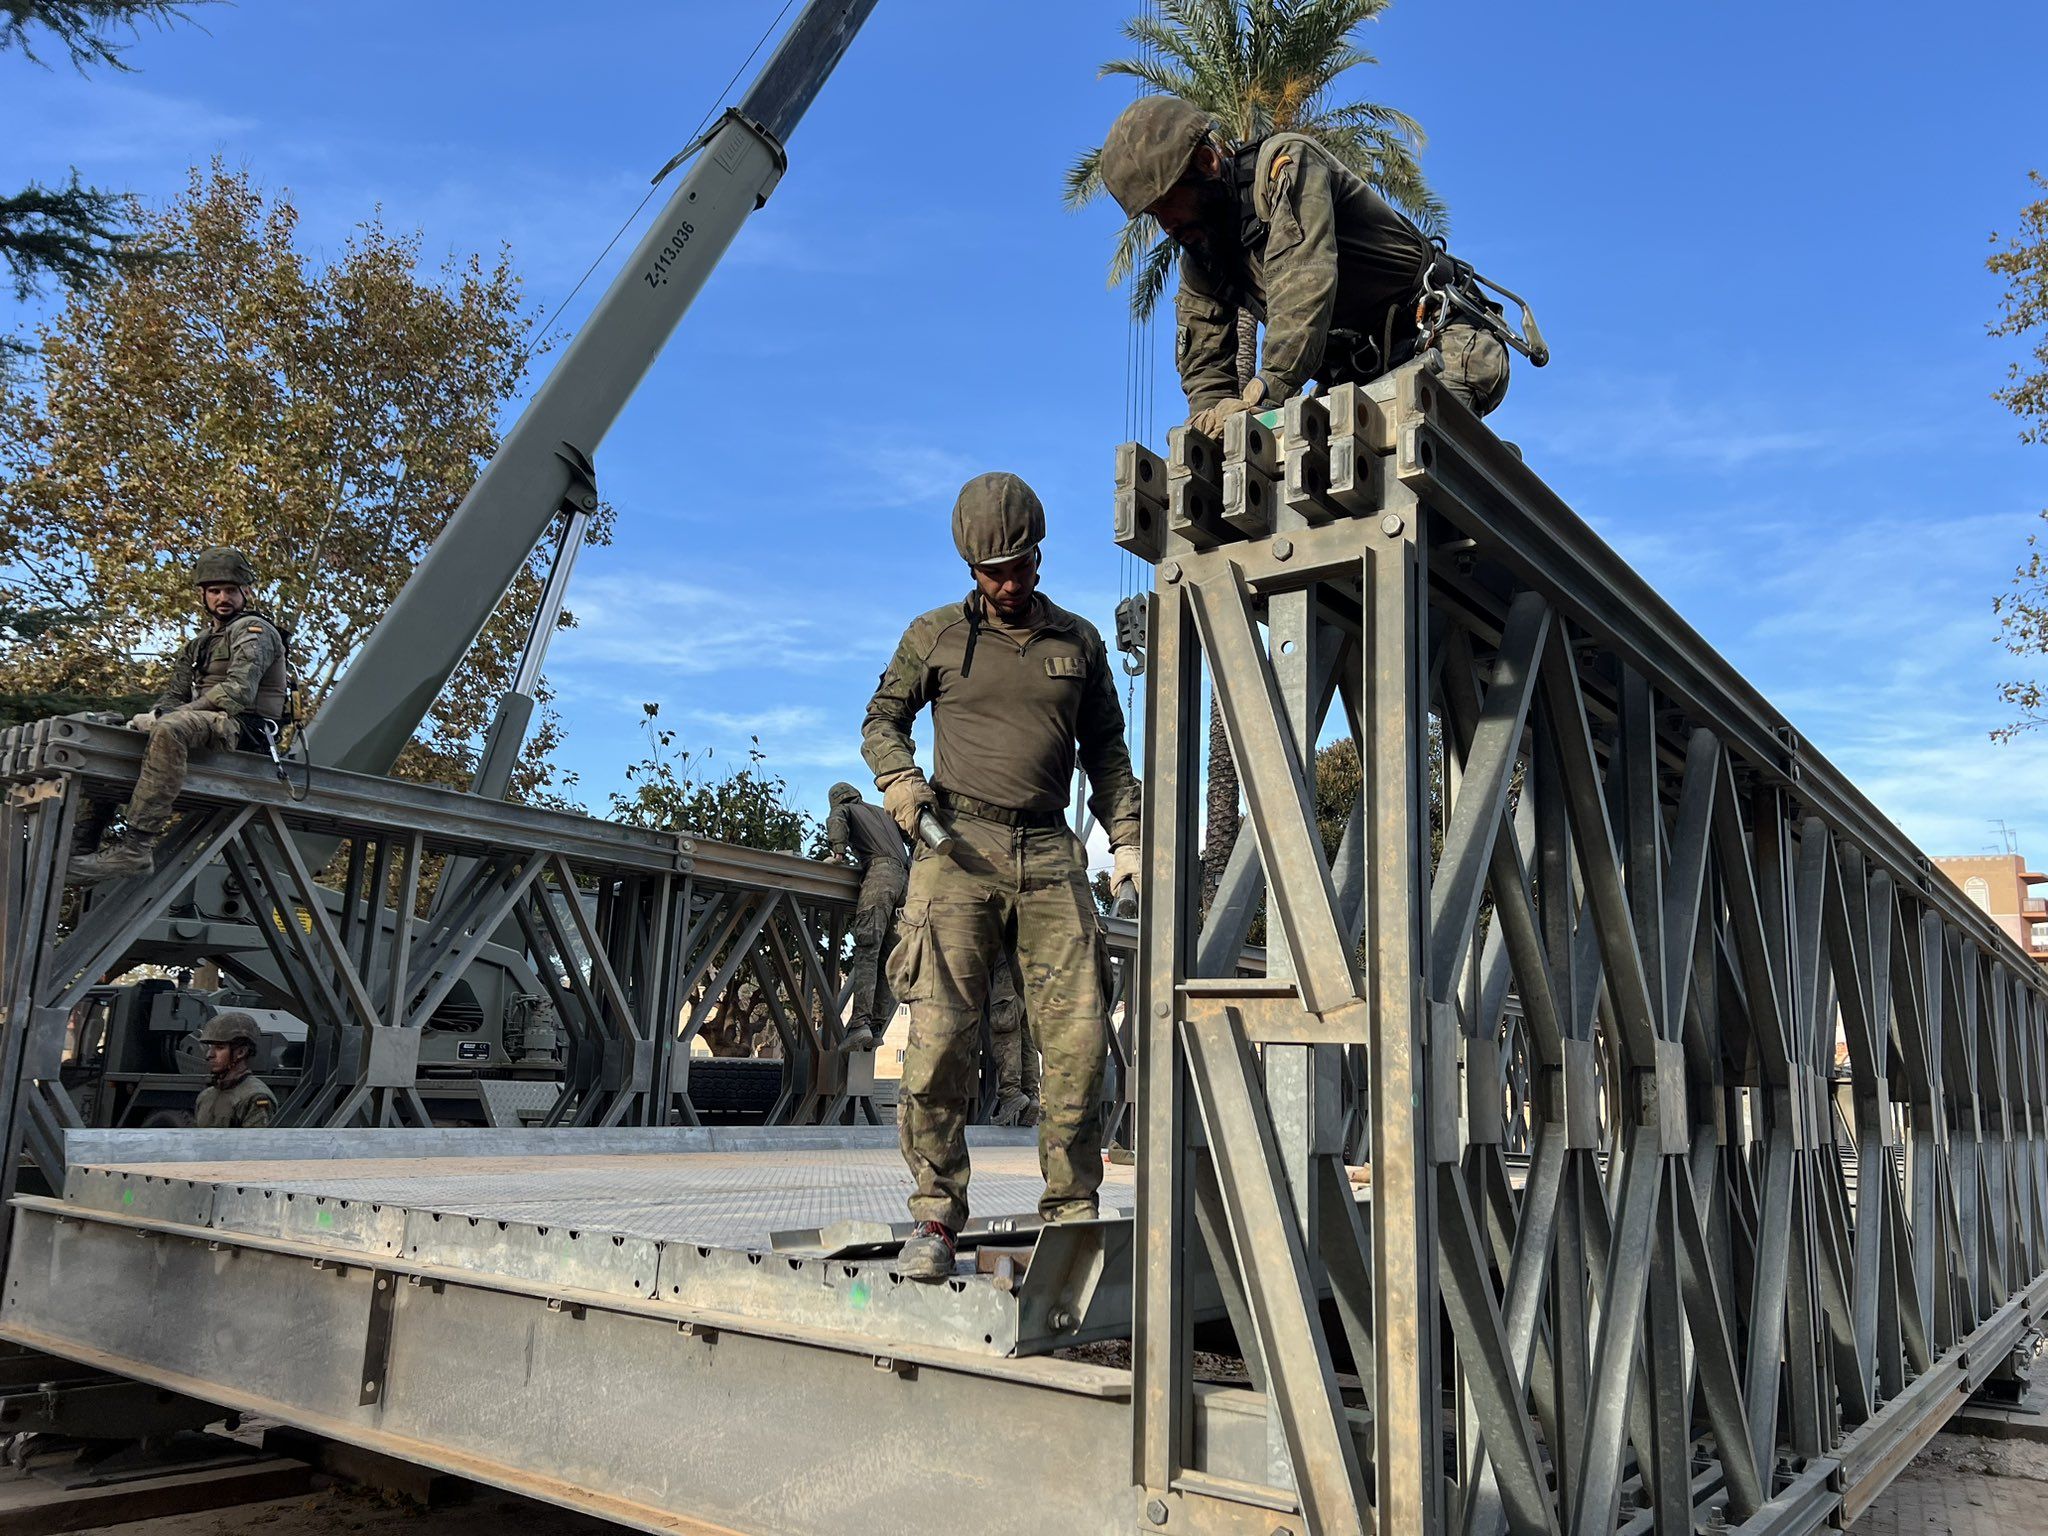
(1732, 1274)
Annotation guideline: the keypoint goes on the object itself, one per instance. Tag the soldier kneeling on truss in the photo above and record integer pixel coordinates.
(1280, 229)
(230, 687)
(1019, 688)
(235, 1098)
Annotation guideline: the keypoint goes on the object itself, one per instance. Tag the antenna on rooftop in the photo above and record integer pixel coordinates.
(2006, 835)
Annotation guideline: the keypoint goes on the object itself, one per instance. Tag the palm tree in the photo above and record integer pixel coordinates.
(1256, 67)
(1259, 67)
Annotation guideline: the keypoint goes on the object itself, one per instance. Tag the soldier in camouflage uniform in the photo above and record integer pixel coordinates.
(1019, 688)
(866, 837)
(1284, 231)
(235, 1098)
(225, 680)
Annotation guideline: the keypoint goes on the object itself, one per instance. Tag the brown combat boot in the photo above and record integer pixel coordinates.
(119, 858)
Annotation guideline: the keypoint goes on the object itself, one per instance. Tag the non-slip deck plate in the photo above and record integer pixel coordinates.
(720, 1199)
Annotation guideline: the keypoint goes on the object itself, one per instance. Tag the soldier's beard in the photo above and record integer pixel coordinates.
(1215, 236)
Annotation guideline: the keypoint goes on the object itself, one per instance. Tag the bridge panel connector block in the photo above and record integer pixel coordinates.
(394, 1058)
(1573, 1091)
(1663, 1102)
(1306, 461)
(1251, 464)
(1140, 526)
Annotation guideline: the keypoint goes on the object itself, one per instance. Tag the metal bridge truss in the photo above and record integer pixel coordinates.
(1735, 1278)
(632, 969)
(1682, 1267)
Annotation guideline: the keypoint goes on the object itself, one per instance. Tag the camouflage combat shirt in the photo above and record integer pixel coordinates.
(1336, 256)
(1009, 729)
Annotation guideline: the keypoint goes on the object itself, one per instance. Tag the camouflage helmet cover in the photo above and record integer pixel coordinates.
(1148, 150)
(226, 1028)
(842, 792)
(222, 564)
(996, 518)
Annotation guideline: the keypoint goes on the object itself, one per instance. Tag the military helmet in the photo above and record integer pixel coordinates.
(841, 793)
(1148, 150)
(223, 564)
(226, 1028)
(996, 518)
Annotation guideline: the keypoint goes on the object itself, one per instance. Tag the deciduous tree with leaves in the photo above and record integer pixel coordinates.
(674, 790)
(327, 418)
(2022, 261)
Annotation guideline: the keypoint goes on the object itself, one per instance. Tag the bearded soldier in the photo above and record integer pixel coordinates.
(234, 1098)
(228, 683)
(1280, 229)
(864, 836)
(1019, 689)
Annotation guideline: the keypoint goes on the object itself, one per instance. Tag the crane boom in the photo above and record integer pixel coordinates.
(542, 464)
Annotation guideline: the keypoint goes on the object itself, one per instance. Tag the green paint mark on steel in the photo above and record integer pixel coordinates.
(858, 1293)
(324, 1219)
(127, 1195)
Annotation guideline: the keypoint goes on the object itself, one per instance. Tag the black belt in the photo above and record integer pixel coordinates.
(981, 810)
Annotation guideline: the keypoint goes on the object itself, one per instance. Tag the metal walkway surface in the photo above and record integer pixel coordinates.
(732, 1199)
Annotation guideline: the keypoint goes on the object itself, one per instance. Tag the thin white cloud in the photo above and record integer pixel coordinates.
(105, 125)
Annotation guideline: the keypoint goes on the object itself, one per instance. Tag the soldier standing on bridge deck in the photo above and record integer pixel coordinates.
(1347, 287)
(235, 1099)
(1018, 688)
(868, 837)
(227, 684)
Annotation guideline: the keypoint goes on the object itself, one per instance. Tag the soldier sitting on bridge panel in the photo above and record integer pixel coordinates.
(228, 685)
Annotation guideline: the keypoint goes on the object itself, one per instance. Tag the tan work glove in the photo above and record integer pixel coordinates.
(907, 796)
(143, 722)
(1125, 871)
(1129, 865)
(1210, 422)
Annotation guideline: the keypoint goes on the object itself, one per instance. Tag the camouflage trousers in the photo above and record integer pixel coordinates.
(874, 916)
(1475, 366)
(1003, 889)
(162, 778)
(1010, 1034)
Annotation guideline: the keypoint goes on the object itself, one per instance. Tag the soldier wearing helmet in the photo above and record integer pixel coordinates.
(234, 1098)
(1346, 287)
(1020, 691)
(226, 684)
(864, 835)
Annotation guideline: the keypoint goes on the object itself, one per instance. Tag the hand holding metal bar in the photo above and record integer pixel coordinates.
(934, 833)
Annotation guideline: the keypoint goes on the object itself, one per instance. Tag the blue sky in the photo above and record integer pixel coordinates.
(1754, 233)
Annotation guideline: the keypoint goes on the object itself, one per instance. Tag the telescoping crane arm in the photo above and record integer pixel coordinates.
(543, 464)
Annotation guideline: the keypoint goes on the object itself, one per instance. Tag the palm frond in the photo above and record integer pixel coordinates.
(1152, 274)
(1156, 76)
(1084, 179)
(1256, 66)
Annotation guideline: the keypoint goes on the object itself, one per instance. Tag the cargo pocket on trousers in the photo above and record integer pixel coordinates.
(909, 963)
